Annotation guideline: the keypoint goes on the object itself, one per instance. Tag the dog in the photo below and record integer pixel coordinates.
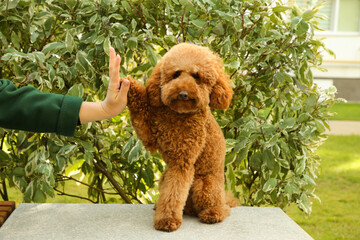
(172, 115)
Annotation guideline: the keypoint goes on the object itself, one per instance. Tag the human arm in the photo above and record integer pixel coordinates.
(29, 109)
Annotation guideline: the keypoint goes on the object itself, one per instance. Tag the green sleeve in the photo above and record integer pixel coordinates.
(29, 109)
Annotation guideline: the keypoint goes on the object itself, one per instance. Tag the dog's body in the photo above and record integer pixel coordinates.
(172, 115)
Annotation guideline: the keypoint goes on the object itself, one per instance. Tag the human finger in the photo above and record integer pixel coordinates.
(111, 61)
(125, 85)
(114, 83)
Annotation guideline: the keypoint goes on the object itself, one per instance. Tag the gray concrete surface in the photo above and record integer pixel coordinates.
(344, 128)
(116, 221)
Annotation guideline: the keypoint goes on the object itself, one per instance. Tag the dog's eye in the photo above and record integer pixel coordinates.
(196, 76)
(176, 74)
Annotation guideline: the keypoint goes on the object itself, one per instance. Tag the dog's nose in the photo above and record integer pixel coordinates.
(183, 95)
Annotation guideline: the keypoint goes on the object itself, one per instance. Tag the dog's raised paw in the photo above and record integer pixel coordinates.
(167, 224)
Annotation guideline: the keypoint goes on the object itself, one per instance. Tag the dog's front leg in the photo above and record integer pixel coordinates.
(174, 188)
(140, 114)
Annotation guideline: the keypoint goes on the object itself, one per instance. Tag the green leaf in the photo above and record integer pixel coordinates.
(15, 40)
(148, 176)
(45, 169)
(284, 163)
(188, 4)
(280, 9)
(70, 3)
(106, 46)
(287, 123)
(92, 20)
(29, 192)
(307, 15)
(295, 21)
(219, 29)
(200, 23)
(89, 157)
(238, 24)
(60, 163)
(241, 144)
(231, 179)
(320, 126)
(290, 189)
(310, 102)
(11, 4)
(304, 203)
(53, 47)
(132, 43)
(18, 171)
(302, 28)
(268, 158)
(304, 117)
(300, 165)
(39, 196)
(135, 152)
(74, 169)
(151, 55)
(69, 42)
(234, 64)
(256, 161)
(20, 182)
(230, 157)
(30, 167)
(4, 158)
(269, 185)
(242, 154)
(126, 5)
(76, 90)
(282, 78)
(127, 146)
(88, 146)
(47, 189)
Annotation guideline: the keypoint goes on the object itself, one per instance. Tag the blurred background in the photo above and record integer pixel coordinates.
(337, 216)
(341, 24)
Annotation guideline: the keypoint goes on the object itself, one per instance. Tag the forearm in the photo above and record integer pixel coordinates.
(92, 111)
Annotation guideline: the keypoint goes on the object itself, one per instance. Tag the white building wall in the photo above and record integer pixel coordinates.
(347, 62)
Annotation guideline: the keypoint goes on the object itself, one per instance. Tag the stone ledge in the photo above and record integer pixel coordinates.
(116, 221)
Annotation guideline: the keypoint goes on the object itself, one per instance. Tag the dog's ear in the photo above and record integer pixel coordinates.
(221, 95)
(153, 88)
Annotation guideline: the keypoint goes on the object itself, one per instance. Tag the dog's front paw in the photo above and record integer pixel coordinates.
(167, 224)
(214, 215)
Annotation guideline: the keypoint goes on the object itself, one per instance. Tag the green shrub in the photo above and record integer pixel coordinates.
(275, 123)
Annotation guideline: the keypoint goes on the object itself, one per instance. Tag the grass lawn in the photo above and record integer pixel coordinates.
(338, 214)
(70, 187)
(346, 111)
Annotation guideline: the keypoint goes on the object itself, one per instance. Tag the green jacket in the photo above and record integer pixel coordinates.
(29, 109)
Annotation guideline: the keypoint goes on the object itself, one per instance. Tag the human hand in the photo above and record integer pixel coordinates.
(116, 98)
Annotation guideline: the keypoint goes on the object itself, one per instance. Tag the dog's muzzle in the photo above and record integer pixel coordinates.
(183, 95)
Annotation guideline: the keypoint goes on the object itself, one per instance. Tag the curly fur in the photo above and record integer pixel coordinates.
(172, 115)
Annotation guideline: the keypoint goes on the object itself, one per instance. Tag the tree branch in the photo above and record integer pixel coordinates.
(182, 25)
(70, 195)
(113, 182)
(66, 178)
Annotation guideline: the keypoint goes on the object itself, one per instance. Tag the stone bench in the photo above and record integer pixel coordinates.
(116, 221)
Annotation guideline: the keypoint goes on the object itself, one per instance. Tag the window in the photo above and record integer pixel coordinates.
(342, 15)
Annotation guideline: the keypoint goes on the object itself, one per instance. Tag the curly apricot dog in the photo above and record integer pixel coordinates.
(172, 115)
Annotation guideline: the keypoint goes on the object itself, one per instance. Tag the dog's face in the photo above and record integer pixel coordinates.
(188, 78)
